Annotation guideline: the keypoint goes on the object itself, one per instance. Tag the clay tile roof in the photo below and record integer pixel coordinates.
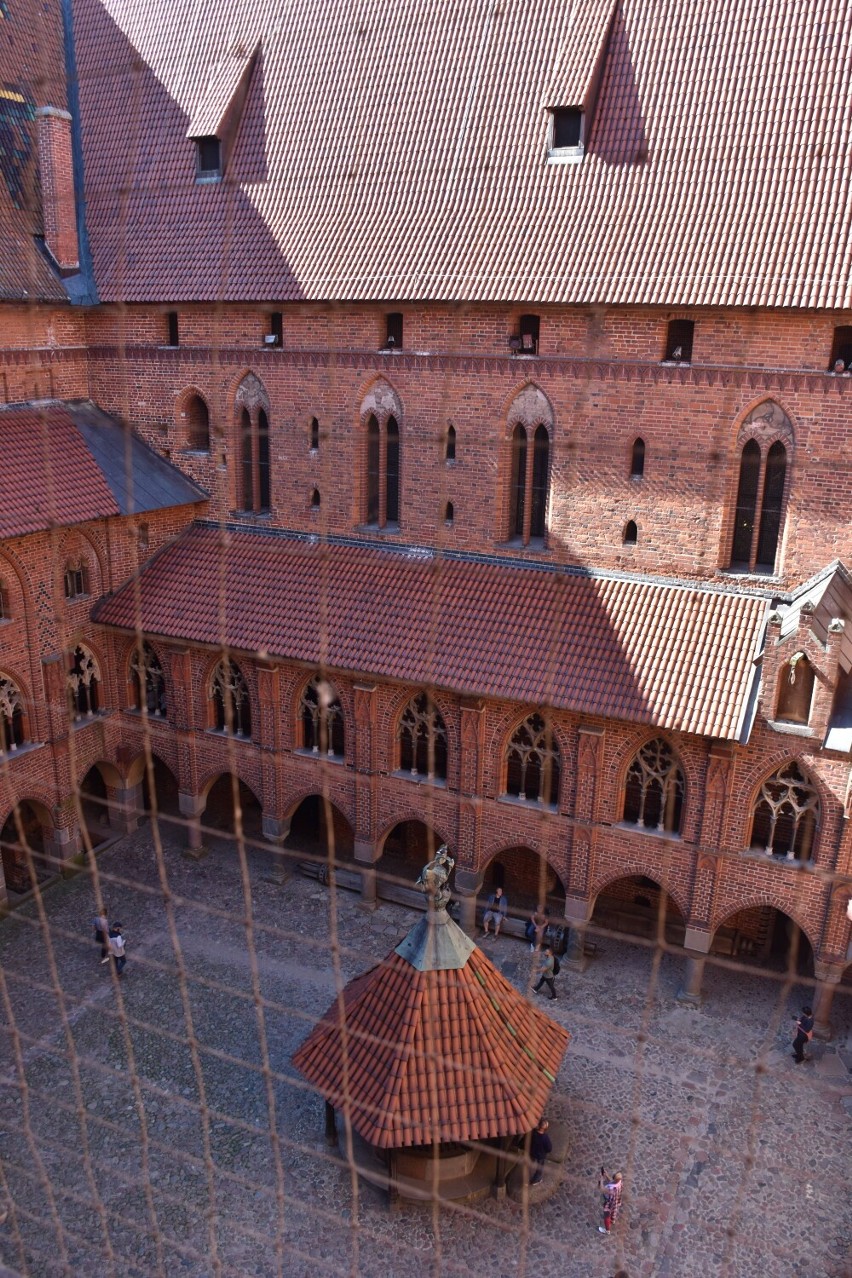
(423, 1056)
(675, 656)
(31, 75)
(400, 152)
(68, 463)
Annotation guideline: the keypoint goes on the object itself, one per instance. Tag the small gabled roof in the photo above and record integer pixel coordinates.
(66, 463)
(417, 1055)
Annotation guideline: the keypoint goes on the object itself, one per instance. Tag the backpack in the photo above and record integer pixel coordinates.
(556, 966)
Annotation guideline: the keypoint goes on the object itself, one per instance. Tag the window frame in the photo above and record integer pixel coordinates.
(564, 153)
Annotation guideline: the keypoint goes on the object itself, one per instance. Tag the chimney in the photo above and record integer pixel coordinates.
(57, 186)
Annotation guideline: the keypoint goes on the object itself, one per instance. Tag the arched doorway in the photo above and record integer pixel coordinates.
(95, 802)
(406, 849)
(766, 937)
(220, 812)
(639, 906)
(319, 829)
(528, 880)
(166, 791)
(23, 846)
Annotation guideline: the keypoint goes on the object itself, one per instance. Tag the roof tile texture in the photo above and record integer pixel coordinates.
(677, 657)
(434, 1056)
(716, 172)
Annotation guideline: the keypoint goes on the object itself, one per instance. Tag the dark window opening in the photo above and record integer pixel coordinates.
(449, 513)
(231, 704)
(541, 463)
(679, 337)
(5, 613)
(393, 334)
(519, 481)
(423, 740)
(567, 127)
(173, 334)
(323, 729)
(315, 499)
(530, 327)
(637, 461)
(12, 724)
(654, 789)
(314, 444)
(841, 350)
(143, 538)
(631, 533)
(246, 460)
(83, 684)
(744, 515)
(771, 507)
(373, 469)
(274, 336)
(263, 461)
(450, 448)
(392, 472)
(533, 763)
(77, 580)
(208, 156)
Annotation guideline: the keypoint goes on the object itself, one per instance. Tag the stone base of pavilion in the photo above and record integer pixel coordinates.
(459, 1174)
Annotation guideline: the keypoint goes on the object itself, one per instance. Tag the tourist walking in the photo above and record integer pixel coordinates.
(804, 1034)
(101, 925)
(548, 970)
(535, 929)
(611, 1189)
(116, 947)
(498, 906)
(540, 1146)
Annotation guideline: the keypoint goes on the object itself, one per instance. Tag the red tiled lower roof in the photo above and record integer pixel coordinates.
(674, 656)
(418, 1057)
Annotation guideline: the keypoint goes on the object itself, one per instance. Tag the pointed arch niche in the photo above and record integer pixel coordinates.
(254, 477)
(530, 437)
(381, 416)
(764, 452)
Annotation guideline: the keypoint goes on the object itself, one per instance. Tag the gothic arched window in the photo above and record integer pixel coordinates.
(148, 684)
(423, 740)
(450, 444)
(654, 788)
(533, 764)
(637, 460)
(519, 481)
(786, 815)
(252, 408)
(759, 510)
(230, 700)
(12, 718)
(84, 681)
(313, 442)
(322, 719)
(796, 690)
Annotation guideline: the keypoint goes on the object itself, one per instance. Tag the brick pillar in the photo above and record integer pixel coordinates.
(124, 807)
(472, 731)
(276, 832)
(56, 163)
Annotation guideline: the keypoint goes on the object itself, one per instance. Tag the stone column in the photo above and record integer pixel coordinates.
(364, 851)
(276, 833)
(696, 948)
(192, 806)
(577, 918)
(124, 808)
(827, 981)
(466, 886)
(65, 846)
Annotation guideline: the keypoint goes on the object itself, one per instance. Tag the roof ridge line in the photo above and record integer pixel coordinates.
(415, 550)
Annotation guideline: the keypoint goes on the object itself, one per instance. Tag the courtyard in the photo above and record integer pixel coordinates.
(156, 1126)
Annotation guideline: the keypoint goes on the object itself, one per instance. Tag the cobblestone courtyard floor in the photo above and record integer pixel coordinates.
(131, 1146)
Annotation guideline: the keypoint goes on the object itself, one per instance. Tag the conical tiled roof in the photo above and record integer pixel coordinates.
(416, 1052)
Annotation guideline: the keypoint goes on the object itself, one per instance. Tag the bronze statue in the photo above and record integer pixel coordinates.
(435, 878)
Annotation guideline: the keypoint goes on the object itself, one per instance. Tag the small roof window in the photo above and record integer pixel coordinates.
(566, 134)
(208, 159)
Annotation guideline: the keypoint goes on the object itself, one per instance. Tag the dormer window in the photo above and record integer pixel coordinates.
(393, 332)
(566, 134)
(208, 159)
(679, 335)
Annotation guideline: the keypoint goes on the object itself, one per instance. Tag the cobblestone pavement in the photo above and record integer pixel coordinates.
(131, 1145)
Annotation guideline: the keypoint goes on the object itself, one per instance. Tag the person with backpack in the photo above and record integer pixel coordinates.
(548, 970)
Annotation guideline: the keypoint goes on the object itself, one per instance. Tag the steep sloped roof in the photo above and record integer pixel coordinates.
(628, 649)
(65, 463)
(397, 151)
(434, 1055)
(32, 74)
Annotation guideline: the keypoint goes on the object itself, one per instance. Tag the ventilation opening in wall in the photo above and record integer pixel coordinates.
(841, 350)
(631, 533)
(315, 499)
(449, 513)
(637, 460)
(450, 446)
(679, 335)
(172, 331)
(314, 436)
(274, 335)
(393, 331)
